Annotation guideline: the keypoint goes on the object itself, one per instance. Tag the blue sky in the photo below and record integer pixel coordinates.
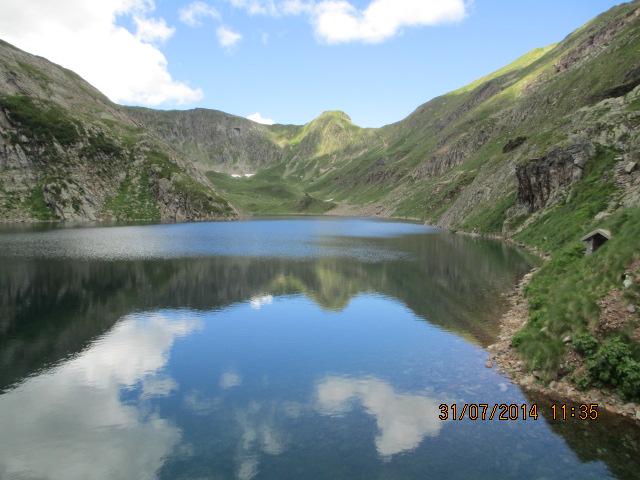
(288, 60)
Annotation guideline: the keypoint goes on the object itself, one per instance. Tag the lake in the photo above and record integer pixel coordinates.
(272, 348)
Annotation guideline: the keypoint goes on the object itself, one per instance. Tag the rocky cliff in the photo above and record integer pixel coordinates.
(68, 153)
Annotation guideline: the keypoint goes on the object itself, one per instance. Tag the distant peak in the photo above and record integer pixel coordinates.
(335, 114)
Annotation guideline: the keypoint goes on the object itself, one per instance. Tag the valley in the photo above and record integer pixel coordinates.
(541, 151)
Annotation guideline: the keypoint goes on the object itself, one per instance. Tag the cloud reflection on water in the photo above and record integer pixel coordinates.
(261, 433)
(403, 419)
(77, 424)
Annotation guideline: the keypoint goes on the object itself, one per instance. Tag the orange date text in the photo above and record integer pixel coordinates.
(485, 411)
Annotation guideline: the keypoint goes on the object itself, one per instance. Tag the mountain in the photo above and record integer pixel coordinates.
(491, 157)
(543, 150)
(68, 153)
(213, 140)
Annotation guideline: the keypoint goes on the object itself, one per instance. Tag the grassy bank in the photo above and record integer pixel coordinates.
(564, 295)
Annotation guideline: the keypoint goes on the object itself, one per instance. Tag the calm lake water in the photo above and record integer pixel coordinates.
(271, 348)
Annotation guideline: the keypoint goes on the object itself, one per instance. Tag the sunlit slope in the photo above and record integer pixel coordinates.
(453, 162)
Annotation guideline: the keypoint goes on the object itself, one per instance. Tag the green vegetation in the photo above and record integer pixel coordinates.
(134, 200)
(431, 199)
(100, 144)
(35, 204)
(198, 195)
(42, 119)
(563, 295)
(164, 167)
(493, 218)
(634, 106)
(31, 203)
(268, 192)
(610, 363)
(43, 79)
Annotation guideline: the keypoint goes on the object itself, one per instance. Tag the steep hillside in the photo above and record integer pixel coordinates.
(68, 153)
(453, 161)
(213, 140)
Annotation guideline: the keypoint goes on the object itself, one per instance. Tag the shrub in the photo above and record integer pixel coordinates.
(585, 343)
(518, 338)
(612, 363)
(582, 383)
(630, 380)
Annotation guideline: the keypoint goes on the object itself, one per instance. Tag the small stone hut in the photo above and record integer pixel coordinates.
(595, 240)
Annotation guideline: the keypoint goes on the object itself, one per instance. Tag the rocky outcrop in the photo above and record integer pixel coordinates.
(543, 181)
(595, 41)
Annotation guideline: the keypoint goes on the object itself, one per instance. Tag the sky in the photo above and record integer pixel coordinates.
(287, 61)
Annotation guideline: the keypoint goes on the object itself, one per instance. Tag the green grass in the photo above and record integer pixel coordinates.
(134, 200)
(165, 167)
(35, 73)
(198, 195)
(42, 119)
(424, 204)
(634, 106)
(100, 144)
(563, 294)
(36, 206)
(268, 192)
(491, 220)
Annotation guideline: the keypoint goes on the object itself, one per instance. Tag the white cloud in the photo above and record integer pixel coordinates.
(199, 404)
(82, 35)
(256, 7)
(153, 30)
(338, 21)
(258, 301)
(296, 7)
(256, 117)
(261, 432)
(227, 38)
(192, 13)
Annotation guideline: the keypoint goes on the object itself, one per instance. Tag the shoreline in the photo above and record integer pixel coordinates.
(503, 356)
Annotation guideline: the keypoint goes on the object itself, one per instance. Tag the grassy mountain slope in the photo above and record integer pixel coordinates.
(70, 154)
(453, 161)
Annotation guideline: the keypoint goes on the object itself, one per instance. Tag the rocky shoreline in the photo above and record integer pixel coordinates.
(504, 357)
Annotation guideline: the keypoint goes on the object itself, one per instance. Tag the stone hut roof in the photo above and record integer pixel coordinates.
(605, 233)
